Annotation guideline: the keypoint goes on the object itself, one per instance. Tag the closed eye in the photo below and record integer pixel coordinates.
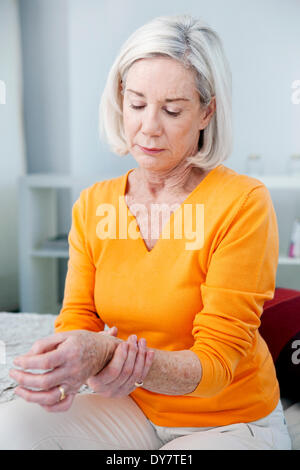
(168, 112)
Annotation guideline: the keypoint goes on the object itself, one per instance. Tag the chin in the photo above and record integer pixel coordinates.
(144, 160)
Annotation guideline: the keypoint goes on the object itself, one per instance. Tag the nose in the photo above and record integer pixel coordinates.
(151, 124)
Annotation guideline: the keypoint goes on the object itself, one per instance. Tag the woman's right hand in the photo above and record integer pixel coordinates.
(130, 363)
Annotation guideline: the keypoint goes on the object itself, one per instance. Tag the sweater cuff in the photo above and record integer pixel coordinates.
(213, 378)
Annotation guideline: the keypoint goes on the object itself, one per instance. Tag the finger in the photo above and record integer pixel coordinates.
(149, 357)
(112, 371)
(130, 361)
(119, 386)
(46, 344)
(44, 398)
(140, 370)
(40, 347)
(139, 365)
(111, 374)
(113, 331)
(63, 405)
(148, 363)
(48, 360)
(44, 381)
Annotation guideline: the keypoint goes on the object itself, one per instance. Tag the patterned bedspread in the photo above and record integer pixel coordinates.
(18, 332)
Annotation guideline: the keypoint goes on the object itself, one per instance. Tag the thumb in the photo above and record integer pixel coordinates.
(46, 344)
(113, 331)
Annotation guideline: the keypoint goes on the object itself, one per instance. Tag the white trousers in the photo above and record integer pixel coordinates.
(97, 423)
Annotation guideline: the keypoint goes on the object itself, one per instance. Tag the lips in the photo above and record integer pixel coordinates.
(146, 148)
(150, 151)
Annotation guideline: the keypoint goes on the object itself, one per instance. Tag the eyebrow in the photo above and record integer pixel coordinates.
(168, 100)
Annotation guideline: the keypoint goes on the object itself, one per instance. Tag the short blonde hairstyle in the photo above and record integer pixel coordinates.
(198, 47)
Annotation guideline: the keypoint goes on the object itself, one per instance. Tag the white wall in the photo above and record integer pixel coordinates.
(262, 42)
(12, 149)
(45, 52)
(70, 45)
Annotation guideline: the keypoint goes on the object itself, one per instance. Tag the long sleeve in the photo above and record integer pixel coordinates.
(240, 278)
(78, 309)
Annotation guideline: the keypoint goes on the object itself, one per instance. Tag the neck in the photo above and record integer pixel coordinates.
(172, 181)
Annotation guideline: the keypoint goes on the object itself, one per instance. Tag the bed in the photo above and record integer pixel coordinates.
(18, 331)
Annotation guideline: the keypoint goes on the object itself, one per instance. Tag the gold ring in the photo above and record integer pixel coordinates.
(62, 393)
(138, 384)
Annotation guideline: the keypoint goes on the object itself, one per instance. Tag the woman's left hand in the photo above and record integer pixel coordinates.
(130, 363)
(68, 358)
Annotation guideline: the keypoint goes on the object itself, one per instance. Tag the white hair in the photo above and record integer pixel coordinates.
(198, 47)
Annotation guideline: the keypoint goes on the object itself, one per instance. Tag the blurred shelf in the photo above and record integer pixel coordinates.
(41, 248)
(55, 181)
(279, 182)
(288, 260)
(49, 253)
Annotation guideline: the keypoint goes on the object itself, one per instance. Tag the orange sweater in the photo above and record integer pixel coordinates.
(207, 299)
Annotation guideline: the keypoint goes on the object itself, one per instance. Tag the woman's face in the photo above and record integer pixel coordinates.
(162, 110)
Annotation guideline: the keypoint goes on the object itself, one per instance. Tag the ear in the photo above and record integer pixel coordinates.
(121, 88)
(208, 113)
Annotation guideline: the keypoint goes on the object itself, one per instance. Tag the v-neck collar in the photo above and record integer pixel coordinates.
(189, 196)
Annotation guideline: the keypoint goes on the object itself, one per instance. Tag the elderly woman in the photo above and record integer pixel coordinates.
(177, 257)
